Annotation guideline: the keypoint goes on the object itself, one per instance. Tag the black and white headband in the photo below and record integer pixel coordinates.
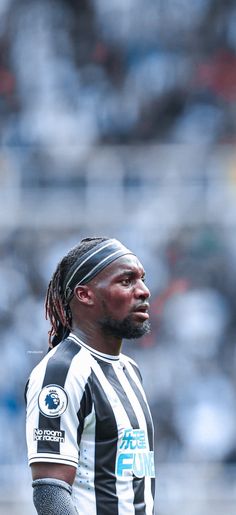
(91, 263)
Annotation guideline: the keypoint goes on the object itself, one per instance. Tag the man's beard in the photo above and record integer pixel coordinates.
(125, 328)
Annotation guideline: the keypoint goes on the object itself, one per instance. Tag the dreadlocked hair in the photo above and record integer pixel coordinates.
(57, 309)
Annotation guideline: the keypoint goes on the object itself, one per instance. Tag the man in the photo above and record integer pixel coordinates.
(89, 428)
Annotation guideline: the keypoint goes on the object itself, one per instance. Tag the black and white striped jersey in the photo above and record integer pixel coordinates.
(89, 410)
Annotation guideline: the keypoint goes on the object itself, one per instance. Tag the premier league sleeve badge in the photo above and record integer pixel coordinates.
(52, 401)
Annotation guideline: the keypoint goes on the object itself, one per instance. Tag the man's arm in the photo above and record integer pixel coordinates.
(52, 488)
(57, 471)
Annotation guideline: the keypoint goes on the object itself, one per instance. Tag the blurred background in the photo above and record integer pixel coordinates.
(118, 118)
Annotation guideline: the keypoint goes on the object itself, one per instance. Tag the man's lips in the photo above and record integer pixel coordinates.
(142, 311)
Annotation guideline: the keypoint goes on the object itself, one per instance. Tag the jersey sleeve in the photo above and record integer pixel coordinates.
(58, 404)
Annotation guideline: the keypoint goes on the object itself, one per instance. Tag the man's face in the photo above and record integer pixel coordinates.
(122, 298)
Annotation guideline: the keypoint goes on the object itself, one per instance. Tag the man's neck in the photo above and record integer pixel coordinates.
(97, 340)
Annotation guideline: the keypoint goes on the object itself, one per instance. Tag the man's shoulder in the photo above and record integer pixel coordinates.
(131, 364)
(43, 362)
(66, 358)
(127, 359)
(64, 367)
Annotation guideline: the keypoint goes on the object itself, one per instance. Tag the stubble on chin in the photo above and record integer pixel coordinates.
(126, 328)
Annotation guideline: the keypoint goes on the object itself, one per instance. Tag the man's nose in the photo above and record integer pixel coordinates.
(142, 290)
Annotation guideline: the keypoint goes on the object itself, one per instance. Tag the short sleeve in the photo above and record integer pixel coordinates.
(56, 412)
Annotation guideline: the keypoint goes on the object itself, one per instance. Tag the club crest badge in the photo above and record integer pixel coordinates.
(52, 401)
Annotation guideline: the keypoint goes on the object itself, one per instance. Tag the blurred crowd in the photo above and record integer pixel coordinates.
(95, 71)
(80, 74)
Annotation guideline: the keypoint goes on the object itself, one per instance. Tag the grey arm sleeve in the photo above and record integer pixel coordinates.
(53, 497)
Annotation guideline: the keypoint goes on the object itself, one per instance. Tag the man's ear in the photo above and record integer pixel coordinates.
(84, 294)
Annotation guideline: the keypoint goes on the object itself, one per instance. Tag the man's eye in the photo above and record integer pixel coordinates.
(126, 281)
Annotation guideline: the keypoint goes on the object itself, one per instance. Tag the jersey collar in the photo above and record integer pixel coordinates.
(94, 352)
